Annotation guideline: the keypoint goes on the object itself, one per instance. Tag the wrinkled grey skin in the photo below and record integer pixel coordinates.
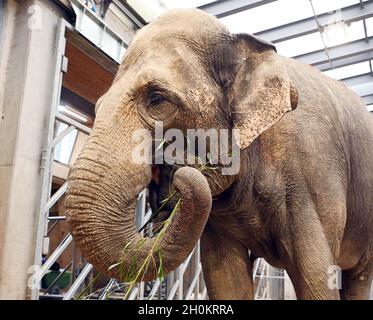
(302, 198)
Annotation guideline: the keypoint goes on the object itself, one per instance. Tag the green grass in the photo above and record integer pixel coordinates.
(133, 249)
(131, 276)
(89, 286)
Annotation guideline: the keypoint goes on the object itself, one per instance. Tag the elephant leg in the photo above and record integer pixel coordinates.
(357, 282)
(226, 268)
(310, 278)
(311, 261)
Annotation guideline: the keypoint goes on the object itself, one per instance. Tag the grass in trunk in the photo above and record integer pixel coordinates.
(134, 248)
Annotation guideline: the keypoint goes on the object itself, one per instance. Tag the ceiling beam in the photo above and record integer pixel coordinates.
(365, 89)
(368, 99)
(338, 52)
(225, 8)
(347, 61)
(358, 80)
(307, 26)
(138, 21)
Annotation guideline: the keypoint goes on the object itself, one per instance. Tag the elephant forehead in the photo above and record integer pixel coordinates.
(174, 67)
(179, 32)
(157, 52)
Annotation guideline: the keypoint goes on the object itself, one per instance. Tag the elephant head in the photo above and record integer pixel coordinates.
(186, 70)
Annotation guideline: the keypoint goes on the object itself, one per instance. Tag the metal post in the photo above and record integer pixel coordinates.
(47, 150)
(78, 282)
(198, 264)
(181, 283)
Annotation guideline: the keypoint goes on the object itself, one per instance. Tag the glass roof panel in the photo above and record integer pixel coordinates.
(338, 33)
(369, 23)
(151, 9)
(268, 16)
(322, 6)
(280, 12)
(349, 71)
(183, 3)
(301, 45)
(334, 35)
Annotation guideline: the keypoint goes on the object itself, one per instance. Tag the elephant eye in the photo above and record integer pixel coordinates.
(155, 99)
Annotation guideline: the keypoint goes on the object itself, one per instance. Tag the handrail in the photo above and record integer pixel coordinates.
(67, 120)
(55, 255)
(78, 282)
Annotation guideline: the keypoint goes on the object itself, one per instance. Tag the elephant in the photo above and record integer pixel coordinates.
(301, 198)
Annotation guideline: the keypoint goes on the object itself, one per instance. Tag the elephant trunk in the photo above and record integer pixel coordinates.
(101, 199)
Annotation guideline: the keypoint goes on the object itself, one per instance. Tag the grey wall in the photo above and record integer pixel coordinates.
(27, 66)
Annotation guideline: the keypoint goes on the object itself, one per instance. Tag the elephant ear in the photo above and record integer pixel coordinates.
(261, 91)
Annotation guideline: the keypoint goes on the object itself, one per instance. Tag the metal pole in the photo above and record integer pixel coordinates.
(78, 282)
(198, 263)
(47, 150)
(55, 255)
(58, 277)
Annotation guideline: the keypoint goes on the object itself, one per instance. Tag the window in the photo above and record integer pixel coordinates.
(151, 9)
(349, 71)
(301, 45)
(268, 16)
(64, 149)
(369, 24)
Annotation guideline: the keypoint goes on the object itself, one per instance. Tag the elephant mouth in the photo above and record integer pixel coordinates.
(162, 199)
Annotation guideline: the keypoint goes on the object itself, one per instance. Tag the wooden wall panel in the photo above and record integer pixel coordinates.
(84, 76)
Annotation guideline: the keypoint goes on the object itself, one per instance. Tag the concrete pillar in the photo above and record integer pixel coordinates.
(27, 67)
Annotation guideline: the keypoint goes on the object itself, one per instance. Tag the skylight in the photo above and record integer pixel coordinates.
(322, 6)
(257, 19)
(300, 45)
(333, 35)
(337, 34)
(151, 9)
(349, 71)
(280, 12)
(369, 24)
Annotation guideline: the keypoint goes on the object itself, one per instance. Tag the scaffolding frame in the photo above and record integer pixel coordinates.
(47, 159)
